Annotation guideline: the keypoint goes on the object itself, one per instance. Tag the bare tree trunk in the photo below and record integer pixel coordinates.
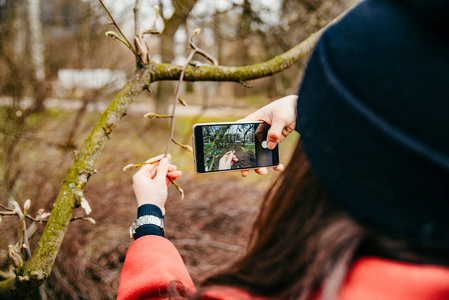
(36, 43)
(179, 17)
(242, 48)
(37, 53)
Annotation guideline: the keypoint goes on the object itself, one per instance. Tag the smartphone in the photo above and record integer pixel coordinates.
(232, 146)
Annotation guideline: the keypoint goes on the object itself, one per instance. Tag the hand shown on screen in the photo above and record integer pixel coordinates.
(227, 160)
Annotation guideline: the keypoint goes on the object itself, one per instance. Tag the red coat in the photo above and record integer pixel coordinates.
(152, 262)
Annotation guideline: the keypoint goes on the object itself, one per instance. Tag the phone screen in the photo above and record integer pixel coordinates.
(232, 146)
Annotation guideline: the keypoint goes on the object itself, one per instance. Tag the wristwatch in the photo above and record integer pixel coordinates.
(145, 220)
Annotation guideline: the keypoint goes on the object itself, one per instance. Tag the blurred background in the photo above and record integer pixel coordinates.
(58, 72)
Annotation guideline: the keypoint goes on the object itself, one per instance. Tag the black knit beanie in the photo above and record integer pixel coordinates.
(373, 114)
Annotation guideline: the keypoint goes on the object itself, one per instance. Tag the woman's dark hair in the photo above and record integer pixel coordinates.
(303, 242)
(300, 239)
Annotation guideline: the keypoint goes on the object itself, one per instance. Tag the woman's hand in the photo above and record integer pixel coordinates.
(150, 182)
(281, 115)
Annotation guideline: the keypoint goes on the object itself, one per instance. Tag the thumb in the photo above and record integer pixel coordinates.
(162, 170)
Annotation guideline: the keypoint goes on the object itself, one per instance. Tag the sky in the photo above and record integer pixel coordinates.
(269, 8)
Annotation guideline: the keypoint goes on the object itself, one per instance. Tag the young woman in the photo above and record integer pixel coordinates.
(361, 211)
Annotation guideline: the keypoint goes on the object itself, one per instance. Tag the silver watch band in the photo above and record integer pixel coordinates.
(145, 220)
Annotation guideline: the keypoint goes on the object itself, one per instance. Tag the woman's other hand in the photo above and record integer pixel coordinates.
(150, 182)
(281, 115)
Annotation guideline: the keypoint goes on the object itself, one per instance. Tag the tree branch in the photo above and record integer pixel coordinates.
(275, 65)
(237, 74)
(137, 23)
(178, 89)
(128, 44)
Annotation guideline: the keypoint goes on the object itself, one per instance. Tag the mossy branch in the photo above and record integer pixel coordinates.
(36, 270)
(163, 71)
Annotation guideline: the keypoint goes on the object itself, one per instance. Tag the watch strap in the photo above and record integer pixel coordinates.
(149, 209)
(146, 220)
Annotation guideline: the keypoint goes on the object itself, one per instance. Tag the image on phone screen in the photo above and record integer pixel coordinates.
(224, 147)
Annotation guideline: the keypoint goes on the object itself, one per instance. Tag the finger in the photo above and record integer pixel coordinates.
(274, 134)
(153, 170)
(245, 173)
(279, 168)
(172, 168)
(147, 170)
(173, 176)
(162, 170)
(286, 131)
(261, 171)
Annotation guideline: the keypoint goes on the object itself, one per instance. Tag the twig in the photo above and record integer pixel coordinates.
(156, 12)
(114, 35)
(178, 89)
(8, 213)
(133, 166)
(90, 220)
(118, 27)
(12, 212)
(245, 84)
(31, 230)
(137, 23)
(185, 147)
(23, 231)
(195, 50)
(152, 115)
(180, 190)
(208, 56)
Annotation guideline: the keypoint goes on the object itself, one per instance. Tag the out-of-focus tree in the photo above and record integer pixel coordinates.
(37, 52)
(182, 9)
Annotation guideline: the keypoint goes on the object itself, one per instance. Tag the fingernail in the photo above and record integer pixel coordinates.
(164, 161)
(271, 145)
